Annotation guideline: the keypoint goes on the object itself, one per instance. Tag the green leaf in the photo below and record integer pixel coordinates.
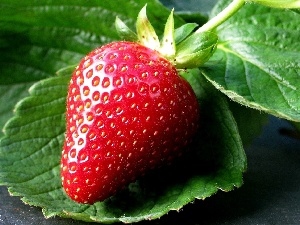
(10, 94)
(257, 61)
(124, 32)
(250, 121)
(31, 149)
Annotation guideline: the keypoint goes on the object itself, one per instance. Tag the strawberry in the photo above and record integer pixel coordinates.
(128, 112)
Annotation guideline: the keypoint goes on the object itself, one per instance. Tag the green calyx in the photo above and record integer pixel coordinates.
(182, 46)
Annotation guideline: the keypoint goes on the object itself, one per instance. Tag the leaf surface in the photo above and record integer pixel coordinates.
(257, 62)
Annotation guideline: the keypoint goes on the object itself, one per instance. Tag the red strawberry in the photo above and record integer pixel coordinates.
(128, 111)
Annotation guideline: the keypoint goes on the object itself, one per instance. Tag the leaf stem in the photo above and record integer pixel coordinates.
(213, 23)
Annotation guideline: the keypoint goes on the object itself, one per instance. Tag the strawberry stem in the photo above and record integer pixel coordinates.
(284, 4)
(224, 15)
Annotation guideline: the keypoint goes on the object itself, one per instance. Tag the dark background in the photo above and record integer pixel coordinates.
(270, 194)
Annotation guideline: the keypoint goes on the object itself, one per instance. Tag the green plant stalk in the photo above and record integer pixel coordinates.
(224, 15)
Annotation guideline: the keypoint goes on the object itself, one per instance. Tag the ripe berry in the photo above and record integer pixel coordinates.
(128, 111)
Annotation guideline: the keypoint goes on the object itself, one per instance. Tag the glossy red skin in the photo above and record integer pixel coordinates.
(128, 111)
